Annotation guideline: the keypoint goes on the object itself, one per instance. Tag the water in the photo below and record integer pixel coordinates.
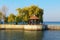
(29, 35)
(54, 23)
(51, 35)
(20, 35)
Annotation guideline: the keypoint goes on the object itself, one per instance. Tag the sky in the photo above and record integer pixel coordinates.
(51, 7)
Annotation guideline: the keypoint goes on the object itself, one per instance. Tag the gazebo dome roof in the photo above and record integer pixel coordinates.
(34, 17)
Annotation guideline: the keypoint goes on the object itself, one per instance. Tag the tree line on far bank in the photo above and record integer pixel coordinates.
(24, 14)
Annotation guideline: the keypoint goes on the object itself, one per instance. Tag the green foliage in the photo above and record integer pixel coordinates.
(26, 12)
(1, 15)
(6, 19)
(18, 19)
(11, 18)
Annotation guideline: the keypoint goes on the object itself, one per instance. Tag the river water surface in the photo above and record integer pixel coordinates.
(29, 35)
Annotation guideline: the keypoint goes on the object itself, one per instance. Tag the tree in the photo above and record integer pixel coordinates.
(11, 18)
(1, 15)
(35, 10)
(4, 11)
(26, 12)
(18, 19)
(6, 19)
(22, 13)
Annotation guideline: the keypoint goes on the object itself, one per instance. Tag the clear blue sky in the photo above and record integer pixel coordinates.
(51, 7)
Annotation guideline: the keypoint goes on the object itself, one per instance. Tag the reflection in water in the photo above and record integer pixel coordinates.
(33, 35)
(11, 35)
(20, 35)
(30, 35)
(40, 35)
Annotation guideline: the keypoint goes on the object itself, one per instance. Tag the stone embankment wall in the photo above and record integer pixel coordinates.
(53, 27)
(30, 27)
(24, 27)
(5, 26)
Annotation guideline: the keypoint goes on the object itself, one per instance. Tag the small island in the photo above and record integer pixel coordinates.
(28, 18)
